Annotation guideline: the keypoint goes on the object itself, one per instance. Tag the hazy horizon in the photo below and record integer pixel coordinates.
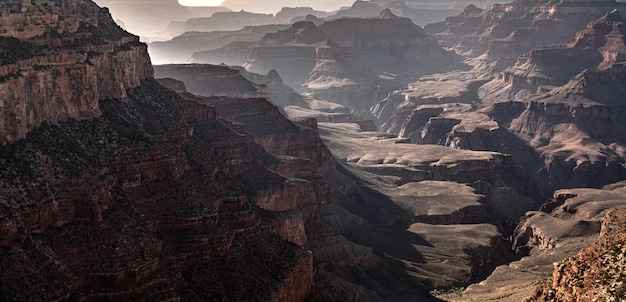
(268, 6)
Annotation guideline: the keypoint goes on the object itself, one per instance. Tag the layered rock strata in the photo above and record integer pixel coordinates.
(510, 30)
(596, 273)
(132, 162)
(149, 196)
(599, 46)
(91, 59)
(339, 61)
(559, 242)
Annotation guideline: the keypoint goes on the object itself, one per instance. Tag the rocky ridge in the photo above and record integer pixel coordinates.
(596, 272)
(597, 47)
(561, 133)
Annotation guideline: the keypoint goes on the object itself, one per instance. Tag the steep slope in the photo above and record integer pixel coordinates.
(212, 80)
(386, 205)
(147, 197)
(84, 66)
(511, 30)
(597, 272)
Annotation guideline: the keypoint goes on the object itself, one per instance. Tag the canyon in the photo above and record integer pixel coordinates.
(351, 156)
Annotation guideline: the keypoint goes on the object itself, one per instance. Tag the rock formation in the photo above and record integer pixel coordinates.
(180, 48)
(597, 47)
(511, 30)
(555, 113)
(556, 242)
(340, 60)
(146, 196)
(92, 59)
(596, 273)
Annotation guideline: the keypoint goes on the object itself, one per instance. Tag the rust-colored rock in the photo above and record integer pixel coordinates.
(594, 274)
(147, 195)
(91, 59)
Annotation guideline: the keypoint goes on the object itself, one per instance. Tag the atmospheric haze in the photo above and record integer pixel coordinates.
(269, 6)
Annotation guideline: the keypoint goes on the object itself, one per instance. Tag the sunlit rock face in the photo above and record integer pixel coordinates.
(61, 58)
(510, 30)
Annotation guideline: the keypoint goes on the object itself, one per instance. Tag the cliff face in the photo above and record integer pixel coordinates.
(147, 195)
(513, 29)
(92, 59)
(599, 46)
(352, 61)
(132, 163)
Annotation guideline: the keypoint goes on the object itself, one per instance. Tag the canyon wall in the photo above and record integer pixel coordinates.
(130, 190)
(510, 30)
(92, 59)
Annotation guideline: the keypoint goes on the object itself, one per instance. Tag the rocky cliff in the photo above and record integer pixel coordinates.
(133, 162)
(558, 241)
(597, 47)
(91, 59)
(149, 196)
(596, 272)
(510, 30)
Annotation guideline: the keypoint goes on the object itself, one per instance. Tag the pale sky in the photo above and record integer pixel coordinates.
(201, 2)
(269, 6)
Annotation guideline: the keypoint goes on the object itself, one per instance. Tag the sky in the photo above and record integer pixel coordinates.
(200, 2)
(269, 6)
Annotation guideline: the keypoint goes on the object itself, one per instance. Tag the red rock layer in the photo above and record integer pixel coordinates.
(594, 274)
(156, 199)
(60, 59)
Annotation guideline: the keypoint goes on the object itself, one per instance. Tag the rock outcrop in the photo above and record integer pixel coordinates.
(559, 241)
(91, 59)
(596, 273)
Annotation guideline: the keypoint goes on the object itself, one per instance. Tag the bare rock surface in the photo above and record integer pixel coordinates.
(510, 30)
(151, 196)
(596, 272)
(84, 65)
(422, 190)
(573, 220)
(597, 47)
